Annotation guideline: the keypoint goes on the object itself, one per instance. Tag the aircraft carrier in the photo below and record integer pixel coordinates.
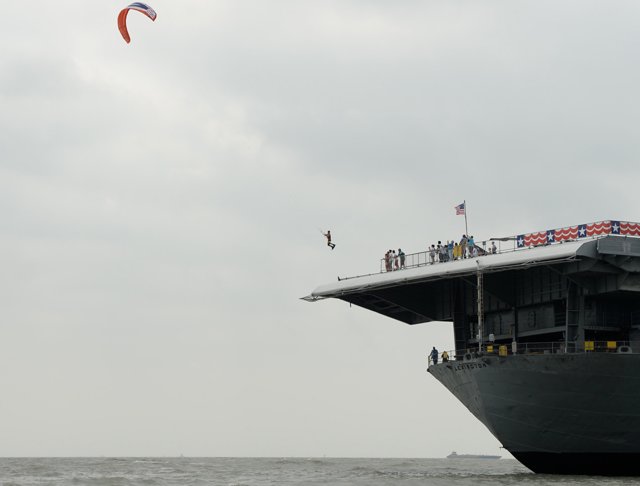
(547, 340)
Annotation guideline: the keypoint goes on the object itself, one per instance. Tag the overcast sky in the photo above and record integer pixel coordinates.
(161, 204)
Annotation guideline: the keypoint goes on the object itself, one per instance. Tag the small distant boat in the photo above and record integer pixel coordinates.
(455, 455)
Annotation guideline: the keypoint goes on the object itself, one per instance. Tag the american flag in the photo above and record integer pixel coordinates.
(459, 209)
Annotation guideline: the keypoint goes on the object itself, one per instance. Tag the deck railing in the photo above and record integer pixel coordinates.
(420, 259)
(506, 350)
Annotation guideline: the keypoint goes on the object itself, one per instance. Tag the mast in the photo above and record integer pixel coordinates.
(466, 228)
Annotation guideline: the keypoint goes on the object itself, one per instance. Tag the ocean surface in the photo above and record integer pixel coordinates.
(185, 471)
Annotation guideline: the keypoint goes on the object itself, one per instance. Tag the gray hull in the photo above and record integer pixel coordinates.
(561, 413)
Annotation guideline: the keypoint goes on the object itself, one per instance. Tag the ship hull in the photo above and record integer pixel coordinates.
(556, 413)
(592, 464)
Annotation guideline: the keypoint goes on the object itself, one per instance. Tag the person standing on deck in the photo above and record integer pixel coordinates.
(432, 254)
(434, 355)
(328, 237)
(463, 247)
(401, 255)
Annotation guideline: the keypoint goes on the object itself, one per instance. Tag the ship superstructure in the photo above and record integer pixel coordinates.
(547, 340)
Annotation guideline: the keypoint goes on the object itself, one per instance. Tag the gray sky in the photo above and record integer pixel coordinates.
(160, 205)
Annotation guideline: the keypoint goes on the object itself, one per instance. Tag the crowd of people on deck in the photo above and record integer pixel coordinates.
(442, 252)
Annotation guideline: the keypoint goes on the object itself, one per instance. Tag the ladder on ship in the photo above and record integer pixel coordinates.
(572, 317)
(480, 299)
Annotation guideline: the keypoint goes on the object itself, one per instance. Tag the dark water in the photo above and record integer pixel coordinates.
(286, 471)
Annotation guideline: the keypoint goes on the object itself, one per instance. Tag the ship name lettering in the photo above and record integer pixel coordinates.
(469, 366)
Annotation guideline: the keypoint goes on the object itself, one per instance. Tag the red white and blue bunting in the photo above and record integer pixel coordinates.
(570, 233)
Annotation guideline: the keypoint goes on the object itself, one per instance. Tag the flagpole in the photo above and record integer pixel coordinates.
(465, 218)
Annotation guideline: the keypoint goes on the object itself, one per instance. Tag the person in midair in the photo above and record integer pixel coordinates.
(328, 237)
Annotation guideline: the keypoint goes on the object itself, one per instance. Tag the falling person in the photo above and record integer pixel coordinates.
(328, 237)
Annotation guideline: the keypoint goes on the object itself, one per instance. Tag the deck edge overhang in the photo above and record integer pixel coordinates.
(521, 259)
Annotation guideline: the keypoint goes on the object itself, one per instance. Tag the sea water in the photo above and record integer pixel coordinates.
(186, 471)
